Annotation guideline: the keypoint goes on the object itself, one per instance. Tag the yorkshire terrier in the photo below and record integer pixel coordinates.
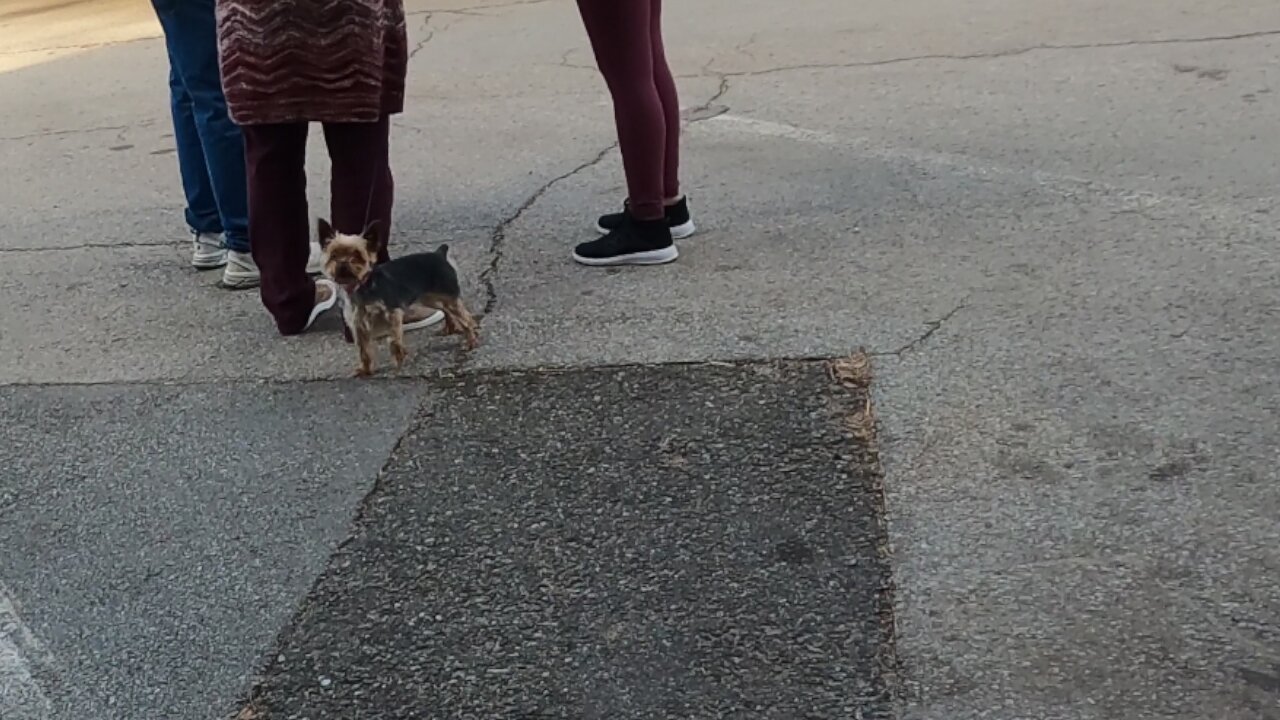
(376, 295)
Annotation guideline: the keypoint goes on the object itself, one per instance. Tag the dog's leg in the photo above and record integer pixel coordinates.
(438, 302)
(457, 319)
(398, 351)
(450, 327)
(366, 344)
(457, 312)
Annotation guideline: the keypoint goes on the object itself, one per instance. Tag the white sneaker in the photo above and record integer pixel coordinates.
(326, 298)
(207, 251)
(242, 271)
(418, 317)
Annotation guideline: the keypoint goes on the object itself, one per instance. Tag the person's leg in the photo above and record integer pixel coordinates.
(620, 32)
(362, 192)
(362, 189)
(202, 207)
(666, 84)
(279, 223)
(626, 36)
(620, 38)
(191, 28)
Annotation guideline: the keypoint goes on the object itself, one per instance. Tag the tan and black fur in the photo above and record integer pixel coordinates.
(376, 296)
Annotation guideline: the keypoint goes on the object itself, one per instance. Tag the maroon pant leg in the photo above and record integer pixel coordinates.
(279, 224)
(621, 38)
(666, 84)
(361, 185)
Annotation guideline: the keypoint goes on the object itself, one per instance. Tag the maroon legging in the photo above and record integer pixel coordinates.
(362, 190)
(626, 36)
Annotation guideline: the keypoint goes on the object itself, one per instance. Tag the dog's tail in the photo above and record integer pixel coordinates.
(443, 251)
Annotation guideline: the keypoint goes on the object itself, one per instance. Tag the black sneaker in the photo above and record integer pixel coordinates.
(677, 218)
(634, 242)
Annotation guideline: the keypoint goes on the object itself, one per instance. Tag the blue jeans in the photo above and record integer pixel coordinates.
(210, 146)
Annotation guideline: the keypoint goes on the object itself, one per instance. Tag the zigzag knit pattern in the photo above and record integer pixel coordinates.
(312, 60)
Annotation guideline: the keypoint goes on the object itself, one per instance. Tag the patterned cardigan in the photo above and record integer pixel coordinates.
(312, 60)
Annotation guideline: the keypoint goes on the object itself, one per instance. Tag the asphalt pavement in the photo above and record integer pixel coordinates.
(1052, 228)
(648, 542)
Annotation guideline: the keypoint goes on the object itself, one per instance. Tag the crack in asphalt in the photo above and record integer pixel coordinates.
(426, 28)
(497, 241)
(696, 114)
(474, 9)
(709, 109)
(74, 131)
(498, 238)
(933, 327)
(92, 246)
(83, 46)
(121, 130)
(997, 54)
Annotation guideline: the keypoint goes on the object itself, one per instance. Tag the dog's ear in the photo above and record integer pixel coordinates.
(373, 236)
(443, 250)
(324, 232)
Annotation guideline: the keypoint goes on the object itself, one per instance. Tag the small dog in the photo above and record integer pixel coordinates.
(376, 295)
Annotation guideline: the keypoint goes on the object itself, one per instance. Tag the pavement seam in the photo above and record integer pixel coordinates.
(855, 374)
(247, 708)
(453, 373)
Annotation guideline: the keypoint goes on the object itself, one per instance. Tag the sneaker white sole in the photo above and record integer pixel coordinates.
(239, 282)
(648, 257)
(433, 319)
(209, 261)
(239, 277)
(679, 232)
(325, 306)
